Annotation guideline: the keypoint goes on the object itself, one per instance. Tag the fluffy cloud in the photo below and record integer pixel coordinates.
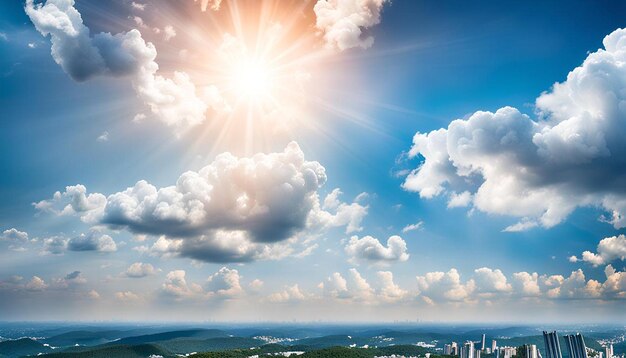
(36, 283)
(74, 201)
(55, 245)
(389, 291)
(224, 283)
(343, 22)
(210, 4)
(176, 286)
(93, 241)
(139, 269)
(539, 170)
(14, 235)
(289, 294)
(440, 287)
(369, 249)
(233, 210)
(74, 278)
(444, 286)
(490, 281)
(609, 249)
(176, 101)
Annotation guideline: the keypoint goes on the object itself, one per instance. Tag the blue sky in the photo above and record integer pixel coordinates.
(355, 112)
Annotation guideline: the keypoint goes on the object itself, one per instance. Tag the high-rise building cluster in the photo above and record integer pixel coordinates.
(575, 343)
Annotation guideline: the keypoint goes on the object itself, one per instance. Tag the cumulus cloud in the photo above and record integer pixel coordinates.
(490, 281)
(72, 279)
(210, 4)
(289, 294)
(539, 170)
(74, 201)
(389, 291)
(369, 249)
(224, 283)
(344, 22)
(336, 213)
(444, 286)
(55, 245)
(176, 286)
(127, 296)
(169, 32)
(232, 210)
(139, 269)
(93, 241)
(36, 283)
(175, 101)
(14, 235)
(609, 249)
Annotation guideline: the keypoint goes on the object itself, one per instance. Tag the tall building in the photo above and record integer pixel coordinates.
(608, 351)
(482, 346)
(454, 349)
(494, 345)
(553, 347)
(477, 354)
(447, 349)
(506, 352)
(531, 351)
(467, 350)
(576, 346)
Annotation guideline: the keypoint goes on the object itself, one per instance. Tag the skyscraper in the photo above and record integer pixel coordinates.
(530, 351)
(447, 349)
(576, 346)
(553, 347)
(467, 350)
(608, 351)
(494, 345)
(482, 346)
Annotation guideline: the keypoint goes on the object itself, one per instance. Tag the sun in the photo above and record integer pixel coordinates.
(251, 79)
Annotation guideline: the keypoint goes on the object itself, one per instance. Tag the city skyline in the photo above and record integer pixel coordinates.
(336, 161)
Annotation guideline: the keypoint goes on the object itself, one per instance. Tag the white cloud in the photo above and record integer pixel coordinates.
(169, 32)
(104, 137)
(526, 284)
(458, 200)
(36, 283)
(74, 200)
(175, 101)
(72, 279)
(224, 283)
(539, 170)
(210, 4)
(93, 241)
(343, 22)
(490, 281)
(14, 235)
(289, 294)
(140, 269)
(232, 210)
(444, 286)
(609, 249)
(412, 227)
(55, 245)
(138, 6)
(127, 296)
(369, 249)
(389, 291)
(336, 213)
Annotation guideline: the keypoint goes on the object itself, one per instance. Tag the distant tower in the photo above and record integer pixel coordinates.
(608, 351)
(494, 345)
(553, 347)
(530, 351)
(482, 346)
(576, 346)
(454, 350)
(467, 350)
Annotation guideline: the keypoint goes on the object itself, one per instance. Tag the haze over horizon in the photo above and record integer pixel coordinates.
(323, 161)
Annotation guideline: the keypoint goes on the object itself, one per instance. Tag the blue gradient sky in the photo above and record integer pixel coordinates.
(431, 63)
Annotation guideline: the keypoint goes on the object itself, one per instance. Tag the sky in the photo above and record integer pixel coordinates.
(328, 160)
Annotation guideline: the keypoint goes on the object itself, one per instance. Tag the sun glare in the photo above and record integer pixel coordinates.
(251, 79)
